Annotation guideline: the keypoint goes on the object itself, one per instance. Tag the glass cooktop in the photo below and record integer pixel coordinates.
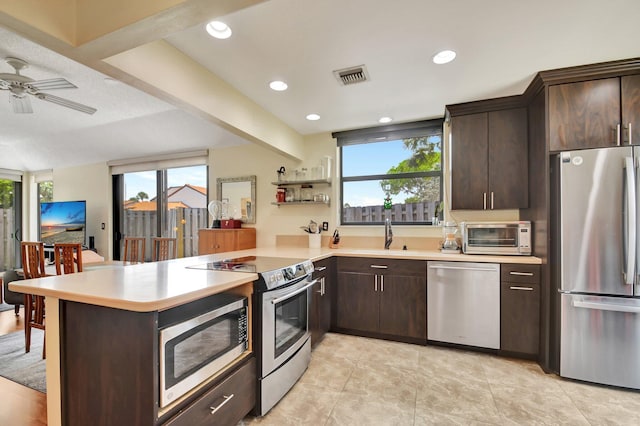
(274, 271)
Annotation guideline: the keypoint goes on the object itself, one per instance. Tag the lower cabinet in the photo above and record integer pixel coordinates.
(320, 310)
(224, 404)
(520, 309)
(386, 297)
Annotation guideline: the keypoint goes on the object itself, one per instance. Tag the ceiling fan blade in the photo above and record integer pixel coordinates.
(21, 105)
(52, 83)
(65, 103)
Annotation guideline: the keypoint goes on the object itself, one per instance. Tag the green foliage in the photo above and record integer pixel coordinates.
(45, 191)
(142, 196)
(426, 156)
(6, 193)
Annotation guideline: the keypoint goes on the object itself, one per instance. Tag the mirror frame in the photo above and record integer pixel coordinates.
(252, 180)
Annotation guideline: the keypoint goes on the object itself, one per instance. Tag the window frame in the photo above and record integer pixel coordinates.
(389, 133)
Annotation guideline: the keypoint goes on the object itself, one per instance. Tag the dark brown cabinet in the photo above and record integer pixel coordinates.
(489, 160)
(320, 311)
(225, 404)
(520, 309)
(109, 364)
(595, 113)
(382, 297)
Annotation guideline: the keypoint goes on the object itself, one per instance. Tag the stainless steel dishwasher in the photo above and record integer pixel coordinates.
(463, 303)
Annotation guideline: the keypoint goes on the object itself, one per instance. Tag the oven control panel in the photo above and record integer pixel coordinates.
(283, 276)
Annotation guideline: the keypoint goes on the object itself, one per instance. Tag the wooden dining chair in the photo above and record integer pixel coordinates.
(134, 249)
(164, 248)
(67, 257)
(34, 310)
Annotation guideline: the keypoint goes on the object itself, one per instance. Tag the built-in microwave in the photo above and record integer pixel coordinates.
(498, 238)
(197, 340)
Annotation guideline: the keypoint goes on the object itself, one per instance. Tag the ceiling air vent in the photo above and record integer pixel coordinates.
(352, 75)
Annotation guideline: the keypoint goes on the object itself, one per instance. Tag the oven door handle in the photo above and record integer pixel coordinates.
(290, 295)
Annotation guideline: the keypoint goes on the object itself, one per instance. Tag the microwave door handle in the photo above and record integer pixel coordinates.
(295, 293)
(630, 222)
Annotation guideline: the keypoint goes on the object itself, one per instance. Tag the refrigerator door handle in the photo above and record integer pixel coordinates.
(630, 223)
(606, 307)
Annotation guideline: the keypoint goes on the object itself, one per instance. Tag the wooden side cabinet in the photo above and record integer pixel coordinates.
(520, 309)
(489, 160)
(320, 311)
(211, 241)
(382, 297)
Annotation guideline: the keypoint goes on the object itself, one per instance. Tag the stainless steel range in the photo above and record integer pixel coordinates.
(280, 322)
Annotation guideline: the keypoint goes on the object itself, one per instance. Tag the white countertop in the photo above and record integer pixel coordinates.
(161, 285)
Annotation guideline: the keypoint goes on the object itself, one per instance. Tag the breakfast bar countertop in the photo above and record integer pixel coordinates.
(143, 287)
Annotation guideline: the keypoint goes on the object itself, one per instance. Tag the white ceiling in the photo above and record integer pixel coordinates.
(501, 44)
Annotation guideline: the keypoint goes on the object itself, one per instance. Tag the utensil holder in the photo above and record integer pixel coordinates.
(314, 240)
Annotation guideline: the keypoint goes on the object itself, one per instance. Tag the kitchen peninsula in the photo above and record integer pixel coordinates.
(101, 335)
(82, 306)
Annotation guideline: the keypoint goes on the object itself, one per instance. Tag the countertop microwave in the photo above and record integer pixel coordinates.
(497, 238)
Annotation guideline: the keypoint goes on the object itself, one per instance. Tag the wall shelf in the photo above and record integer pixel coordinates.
(302, 182)
(288, 203)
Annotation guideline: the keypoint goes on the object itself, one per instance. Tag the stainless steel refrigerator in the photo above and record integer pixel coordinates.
(599, 255)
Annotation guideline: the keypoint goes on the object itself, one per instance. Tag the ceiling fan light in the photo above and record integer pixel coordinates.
(218, 29)
(20, 104)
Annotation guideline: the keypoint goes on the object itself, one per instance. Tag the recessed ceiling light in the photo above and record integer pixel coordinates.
(444, 57)
(218, 29)
(278, 86)
(385, 120)
(313, 117)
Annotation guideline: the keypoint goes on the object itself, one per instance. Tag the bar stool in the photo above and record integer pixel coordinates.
(164, 248)
(134, 249)
(67, 257)
(34, 312)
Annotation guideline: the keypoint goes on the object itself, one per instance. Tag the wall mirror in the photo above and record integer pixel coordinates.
(239, 194)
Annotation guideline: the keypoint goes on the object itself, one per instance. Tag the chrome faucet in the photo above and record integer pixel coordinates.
(388, 234)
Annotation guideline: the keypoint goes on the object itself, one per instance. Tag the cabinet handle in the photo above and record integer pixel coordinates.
(226, 399)
(484, 201)
(379, 266)
(375, 282)
(321, 268)
(524, 274)
(521, 288)
(630, 134)
(618, 134)
(491, 200)
(382, 283)
(322, 290)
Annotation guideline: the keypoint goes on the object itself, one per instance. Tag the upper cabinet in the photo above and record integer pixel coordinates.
(489, 160)
(595, 113)
(630, 89)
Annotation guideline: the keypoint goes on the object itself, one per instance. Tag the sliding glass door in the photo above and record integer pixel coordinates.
(10, 209)
(166, 203)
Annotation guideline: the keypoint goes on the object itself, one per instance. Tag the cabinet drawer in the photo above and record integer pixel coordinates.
(231, 400)
(321, 268)
(518, 273)
(372, 265)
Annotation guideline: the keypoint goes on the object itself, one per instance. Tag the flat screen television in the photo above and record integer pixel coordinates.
(63, 222)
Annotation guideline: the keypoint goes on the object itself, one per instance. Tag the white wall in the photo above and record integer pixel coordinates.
(93, 184)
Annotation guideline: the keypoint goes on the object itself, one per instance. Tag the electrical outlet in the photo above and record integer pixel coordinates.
(325, 226)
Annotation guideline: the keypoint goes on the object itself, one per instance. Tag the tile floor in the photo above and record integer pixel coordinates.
(358, 381)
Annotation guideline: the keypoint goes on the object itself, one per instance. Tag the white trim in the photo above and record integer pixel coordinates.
(159, 162)
(42, 176)
(15, 175)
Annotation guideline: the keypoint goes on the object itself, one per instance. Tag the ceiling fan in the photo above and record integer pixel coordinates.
(21, 87)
